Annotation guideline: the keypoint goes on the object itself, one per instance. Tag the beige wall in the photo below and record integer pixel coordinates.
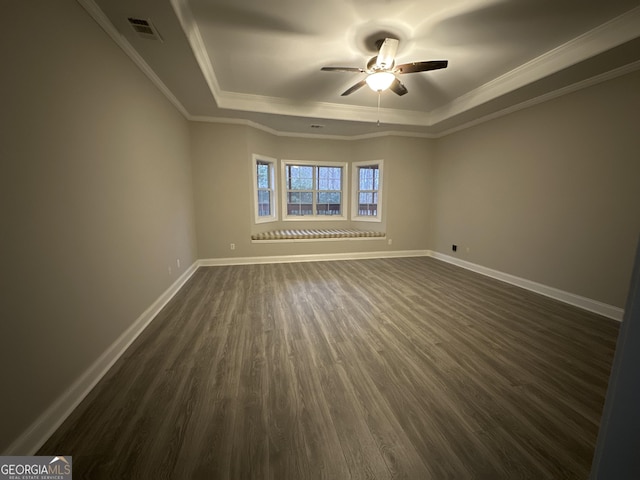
(96, 201)
(224, 196)
(410, 182)
(550, 193)
(104, 185)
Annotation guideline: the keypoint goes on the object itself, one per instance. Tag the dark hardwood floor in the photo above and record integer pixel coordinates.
(389, 368)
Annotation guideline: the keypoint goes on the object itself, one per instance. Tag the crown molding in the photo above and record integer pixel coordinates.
(589, 82)
(278, 133)
(194, 38)
(604, 37)
(276, 105)
(608, 35)
(101, 19)
(574, 87)
(334, 111)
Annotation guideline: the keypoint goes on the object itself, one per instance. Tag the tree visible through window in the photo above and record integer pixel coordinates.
(314, 190)
(264, 189)
(329, 195)
(368, 181)
(299, 190)
(367, 190)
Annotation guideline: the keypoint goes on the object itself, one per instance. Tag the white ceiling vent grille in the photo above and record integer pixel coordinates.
(144, 28)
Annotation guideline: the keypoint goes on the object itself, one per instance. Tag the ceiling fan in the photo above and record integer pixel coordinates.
(381, 69)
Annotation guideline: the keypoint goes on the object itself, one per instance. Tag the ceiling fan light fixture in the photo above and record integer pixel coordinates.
(380, 81)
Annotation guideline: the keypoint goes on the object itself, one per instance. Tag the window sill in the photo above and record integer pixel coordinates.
(366, 219)
(265, 220)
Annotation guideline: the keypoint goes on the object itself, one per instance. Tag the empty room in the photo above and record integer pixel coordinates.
(341, 239)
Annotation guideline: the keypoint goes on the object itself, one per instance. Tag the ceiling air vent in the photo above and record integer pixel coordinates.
(144, 28)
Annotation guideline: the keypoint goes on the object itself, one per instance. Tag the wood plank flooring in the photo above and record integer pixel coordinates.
(388, 368)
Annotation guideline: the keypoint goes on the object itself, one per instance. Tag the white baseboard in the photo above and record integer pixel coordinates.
(47, 423)
(318, 257)
(594, 306)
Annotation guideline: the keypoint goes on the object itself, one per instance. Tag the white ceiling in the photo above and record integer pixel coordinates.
(259, 61)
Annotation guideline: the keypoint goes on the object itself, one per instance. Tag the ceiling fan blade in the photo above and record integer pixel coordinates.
(421, 66)
(355, 87)
(387, 53)
(398, 87)
(342, 69)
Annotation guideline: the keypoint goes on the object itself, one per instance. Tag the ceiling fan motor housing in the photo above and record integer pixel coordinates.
(374, 66)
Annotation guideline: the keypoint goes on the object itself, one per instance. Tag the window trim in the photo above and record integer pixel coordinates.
(354, 189)
(314, 217)
(255, 158)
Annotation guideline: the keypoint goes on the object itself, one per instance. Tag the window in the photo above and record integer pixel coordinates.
(314, 191)
(264, 189)
(366, 203)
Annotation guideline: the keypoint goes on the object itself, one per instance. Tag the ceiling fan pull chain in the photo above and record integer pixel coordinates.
(379, 93)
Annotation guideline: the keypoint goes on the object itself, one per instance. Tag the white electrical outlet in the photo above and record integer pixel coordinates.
(390, 241)
(178, 262)
(232, 246)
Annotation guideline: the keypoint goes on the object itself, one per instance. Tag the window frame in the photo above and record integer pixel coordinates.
(255, 159)
(355, 176)
(315, 217)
